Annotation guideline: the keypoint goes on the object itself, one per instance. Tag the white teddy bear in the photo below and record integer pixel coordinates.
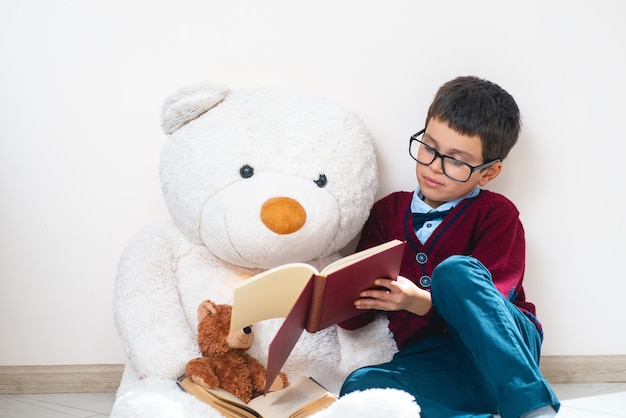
(253, 179)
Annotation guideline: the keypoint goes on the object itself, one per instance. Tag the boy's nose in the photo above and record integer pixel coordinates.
(437, 165)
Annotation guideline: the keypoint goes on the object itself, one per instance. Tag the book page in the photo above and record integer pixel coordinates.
(225, 402)
(299, 395)
(270, 294)
(353, 258)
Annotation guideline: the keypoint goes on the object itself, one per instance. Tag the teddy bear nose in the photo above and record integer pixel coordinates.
(283, 215)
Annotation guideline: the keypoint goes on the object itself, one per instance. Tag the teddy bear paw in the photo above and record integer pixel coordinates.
(280, 382)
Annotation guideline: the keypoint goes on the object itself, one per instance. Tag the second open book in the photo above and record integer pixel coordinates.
(310, 299)
(301, 398)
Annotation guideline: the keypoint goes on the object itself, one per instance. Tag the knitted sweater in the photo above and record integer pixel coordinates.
(486, 227)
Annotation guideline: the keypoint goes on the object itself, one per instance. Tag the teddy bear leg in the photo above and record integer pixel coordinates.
(201, 372)
(373, 403)
(234, 376)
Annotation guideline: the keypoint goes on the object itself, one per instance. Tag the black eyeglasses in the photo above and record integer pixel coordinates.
(455, 169)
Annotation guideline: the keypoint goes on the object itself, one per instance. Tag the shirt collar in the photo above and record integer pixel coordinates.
(419, 206)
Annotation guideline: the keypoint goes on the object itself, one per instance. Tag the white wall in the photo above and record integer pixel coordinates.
(81, 83)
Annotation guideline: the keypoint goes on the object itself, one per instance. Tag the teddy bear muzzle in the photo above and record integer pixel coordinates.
(241, 339)
(283, 215)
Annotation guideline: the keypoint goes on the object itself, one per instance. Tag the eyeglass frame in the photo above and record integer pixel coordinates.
(443, 156)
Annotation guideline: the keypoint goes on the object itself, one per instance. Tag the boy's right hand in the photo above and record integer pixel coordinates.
(402, 294)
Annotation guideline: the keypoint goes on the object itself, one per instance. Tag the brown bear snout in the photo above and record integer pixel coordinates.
(242, 338)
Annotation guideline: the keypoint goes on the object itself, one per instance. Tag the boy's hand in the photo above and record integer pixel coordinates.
(403, 294)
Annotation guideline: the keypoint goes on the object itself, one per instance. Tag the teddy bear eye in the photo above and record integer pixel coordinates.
(246, 171)
(321, 181)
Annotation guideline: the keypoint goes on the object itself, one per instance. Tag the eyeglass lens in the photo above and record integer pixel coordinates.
(426, 155)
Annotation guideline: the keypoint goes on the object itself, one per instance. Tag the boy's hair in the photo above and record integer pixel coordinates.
(473, 106)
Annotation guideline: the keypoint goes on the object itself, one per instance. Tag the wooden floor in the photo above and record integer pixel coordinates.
(579, 400)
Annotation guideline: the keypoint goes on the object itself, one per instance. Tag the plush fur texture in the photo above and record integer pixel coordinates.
(253, 179)
(225, 362)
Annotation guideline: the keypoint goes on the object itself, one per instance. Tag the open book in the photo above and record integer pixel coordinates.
(300, 399)
(310, 299)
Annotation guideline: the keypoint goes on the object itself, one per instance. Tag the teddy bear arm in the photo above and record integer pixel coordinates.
(147, 309)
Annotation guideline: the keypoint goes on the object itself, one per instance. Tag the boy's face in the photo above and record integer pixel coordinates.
(434, 184)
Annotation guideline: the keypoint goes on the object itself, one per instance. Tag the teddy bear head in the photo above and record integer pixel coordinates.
(265, 176)
(213, 330)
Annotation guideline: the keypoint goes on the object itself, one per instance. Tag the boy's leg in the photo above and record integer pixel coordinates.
(500, 340)
(430, 371)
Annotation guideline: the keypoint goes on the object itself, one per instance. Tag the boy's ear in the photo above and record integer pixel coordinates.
(490, 173)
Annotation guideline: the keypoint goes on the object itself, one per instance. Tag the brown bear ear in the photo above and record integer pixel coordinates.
(206, 308)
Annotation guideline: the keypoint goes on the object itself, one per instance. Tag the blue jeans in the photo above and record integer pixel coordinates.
(486, 363)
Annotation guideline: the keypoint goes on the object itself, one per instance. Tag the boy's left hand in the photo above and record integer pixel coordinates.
(403, 294)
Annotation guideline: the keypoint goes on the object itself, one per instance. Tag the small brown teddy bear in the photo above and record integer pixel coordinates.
(224, 362)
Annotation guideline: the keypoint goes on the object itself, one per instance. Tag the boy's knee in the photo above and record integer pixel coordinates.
(459, 273)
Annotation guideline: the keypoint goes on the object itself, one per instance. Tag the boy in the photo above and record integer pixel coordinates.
(468, 341)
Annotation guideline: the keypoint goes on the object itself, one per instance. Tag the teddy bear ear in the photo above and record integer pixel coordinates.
(190, 102)
(205, 309)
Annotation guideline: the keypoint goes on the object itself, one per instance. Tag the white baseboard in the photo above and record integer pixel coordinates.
(106, 377)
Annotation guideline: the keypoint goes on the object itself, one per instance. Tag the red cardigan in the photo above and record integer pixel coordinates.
(487, 227)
